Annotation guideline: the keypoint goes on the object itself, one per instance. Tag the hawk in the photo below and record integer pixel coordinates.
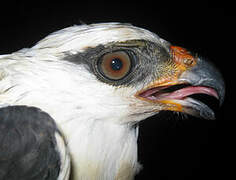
(70, 105)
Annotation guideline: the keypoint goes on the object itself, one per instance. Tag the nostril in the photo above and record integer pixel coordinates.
(188, 61)
(182, 57)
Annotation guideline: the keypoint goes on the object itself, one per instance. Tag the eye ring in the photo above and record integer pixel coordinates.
(115, 65)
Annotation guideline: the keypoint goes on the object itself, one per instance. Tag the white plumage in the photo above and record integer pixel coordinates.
(96, 118)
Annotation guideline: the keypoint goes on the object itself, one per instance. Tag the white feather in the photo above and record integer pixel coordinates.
(94, 117)
(65, 158)
(79, 38)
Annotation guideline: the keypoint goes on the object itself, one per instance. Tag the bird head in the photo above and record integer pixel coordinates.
(127, 74)
(97, 80)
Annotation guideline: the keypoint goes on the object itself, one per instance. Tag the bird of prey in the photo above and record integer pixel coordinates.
(70, 105)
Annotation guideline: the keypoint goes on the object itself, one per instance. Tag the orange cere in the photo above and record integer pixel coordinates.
(182, 57)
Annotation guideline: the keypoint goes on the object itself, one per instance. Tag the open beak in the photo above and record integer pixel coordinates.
(192, 76)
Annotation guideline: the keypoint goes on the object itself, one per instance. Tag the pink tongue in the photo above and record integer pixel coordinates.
(182, 93)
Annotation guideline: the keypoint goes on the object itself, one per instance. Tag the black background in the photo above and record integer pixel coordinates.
(170, 147)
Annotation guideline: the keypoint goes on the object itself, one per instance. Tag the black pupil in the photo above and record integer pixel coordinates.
(116, 64)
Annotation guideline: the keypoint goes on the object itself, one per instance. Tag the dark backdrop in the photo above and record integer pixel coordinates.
(170, 147)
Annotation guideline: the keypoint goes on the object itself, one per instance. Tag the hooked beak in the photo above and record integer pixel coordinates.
(193, 75)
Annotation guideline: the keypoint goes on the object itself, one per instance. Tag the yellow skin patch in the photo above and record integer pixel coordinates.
(181, 61)
(172, 106)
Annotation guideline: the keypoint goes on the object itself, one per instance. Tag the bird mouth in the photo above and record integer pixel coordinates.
(182, 98)
(188, 78)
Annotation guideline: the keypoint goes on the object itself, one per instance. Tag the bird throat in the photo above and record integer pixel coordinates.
(109, 151)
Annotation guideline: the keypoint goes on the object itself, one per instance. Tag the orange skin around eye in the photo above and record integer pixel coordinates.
(106, 65)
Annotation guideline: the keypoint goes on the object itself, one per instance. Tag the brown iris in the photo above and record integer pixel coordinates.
(115, 65)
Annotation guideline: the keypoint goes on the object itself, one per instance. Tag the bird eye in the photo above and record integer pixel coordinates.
(115, 65)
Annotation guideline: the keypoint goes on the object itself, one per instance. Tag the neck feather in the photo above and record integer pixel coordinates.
(103, 150)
